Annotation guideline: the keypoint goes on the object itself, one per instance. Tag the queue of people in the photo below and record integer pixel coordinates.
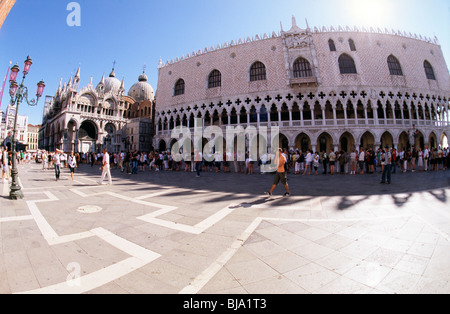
(368, 161)
(363, 161)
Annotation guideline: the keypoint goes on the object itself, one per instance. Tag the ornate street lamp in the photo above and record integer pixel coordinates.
(18, 93)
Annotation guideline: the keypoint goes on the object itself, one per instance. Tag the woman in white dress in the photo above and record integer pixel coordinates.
(420, 159)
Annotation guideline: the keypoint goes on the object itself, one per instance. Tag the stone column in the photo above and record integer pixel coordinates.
(365, 115)
(345, 114)
(375, 115)
(258, 118)
(410, 113)
(334, 114)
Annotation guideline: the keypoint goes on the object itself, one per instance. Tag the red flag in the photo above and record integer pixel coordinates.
(4, 82)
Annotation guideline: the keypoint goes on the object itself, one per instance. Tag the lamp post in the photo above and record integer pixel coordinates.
(19, 93)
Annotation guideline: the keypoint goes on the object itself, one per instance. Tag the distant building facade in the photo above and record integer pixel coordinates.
(7, 128)
(33, 137)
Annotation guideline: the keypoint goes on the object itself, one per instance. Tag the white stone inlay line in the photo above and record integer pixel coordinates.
(139, 256)
(197, 229)
(16, 218)
(201, 280)
(130, 199)
(93, 280)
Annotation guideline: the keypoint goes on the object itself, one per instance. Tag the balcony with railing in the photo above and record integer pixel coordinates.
(322, 123)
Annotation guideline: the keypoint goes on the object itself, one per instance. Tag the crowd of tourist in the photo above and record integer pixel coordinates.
(363, 161)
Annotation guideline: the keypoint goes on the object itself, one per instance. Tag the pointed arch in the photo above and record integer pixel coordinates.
(302, 68)
(394, 66)
(214, 79)
(347, 64)
(429, 72)
(331, 45)
(258, 72)
(179, 88)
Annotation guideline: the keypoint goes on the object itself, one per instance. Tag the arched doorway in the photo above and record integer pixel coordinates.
(420, 140)
(444, 140)
(403, 141)
(346, 142)
(87, 136)
(367, 140)
(303, 142)
(162, 145)
(433, 140)
(325, 143)
(283, 141)
(387, 140)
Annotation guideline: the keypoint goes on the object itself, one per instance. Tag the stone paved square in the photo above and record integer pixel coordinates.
(172, 233)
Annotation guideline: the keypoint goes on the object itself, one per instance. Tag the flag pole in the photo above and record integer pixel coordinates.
(4, 82)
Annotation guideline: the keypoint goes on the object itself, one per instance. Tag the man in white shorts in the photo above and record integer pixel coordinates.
(106, 168)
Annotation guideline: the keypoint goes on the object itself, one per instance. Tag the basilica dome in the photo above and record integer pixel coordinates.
(142, 90)
(112, 83)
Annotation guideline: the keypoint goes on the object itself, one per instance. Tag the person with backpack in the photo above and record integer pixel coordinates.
(280, 175)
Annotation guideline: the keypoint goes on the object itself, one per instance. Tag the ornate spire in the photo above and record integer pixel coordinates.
(122, 85)
(112, 74)
(78, 72)
(102, 81)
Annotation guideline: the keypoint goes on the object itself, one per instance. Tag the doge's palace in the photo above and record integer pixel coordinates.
(326, 88)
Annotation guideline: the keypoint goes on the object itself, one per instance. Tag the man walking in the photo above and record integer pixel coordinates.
(281, 174)
(387, 167)
(106, 169)
(57, 163)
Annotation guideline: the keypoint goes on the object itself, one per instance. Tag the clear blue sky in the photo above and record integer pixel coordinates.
(138, 32)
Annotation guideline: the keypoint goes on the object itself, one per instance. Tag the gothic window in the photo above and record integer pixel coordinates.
(429, 70)
(332, 45)
(347, 65)
(214, 79)
(351, 43)
(257, 72)
(394, 66)
(302, 68)
(179, 88)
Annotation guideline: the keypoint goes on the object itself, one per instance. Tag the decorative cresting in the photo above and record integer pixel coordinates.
(315, 30)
